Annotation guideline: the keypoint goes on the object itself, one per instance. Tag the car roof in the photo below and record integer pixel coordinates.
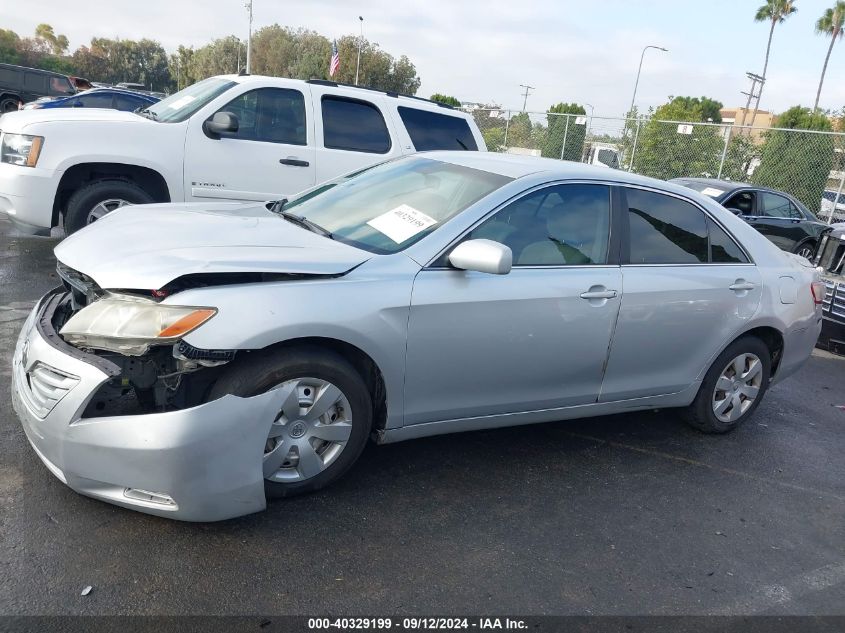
(724, 185)
(121, 91)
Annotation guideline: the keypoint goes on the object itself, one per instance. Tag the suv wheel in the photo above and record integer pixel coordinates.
(732, 388)
(92, 201)
(9, 104)
(806, 249)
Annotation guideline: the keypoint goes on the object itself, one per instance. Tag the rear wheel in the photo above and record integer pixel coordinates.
(806, 249)
(732, 388)
(91, 202)
(323, 423)
(8, 104)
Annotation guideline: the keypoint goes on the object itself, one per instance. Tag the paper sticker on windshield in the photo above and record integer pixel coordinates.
(712, 192)
(181, 102)
(402, 223)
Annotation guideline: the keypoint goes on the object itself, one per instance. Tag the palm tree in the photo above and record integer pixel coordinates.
(775, 12)
(830, 24)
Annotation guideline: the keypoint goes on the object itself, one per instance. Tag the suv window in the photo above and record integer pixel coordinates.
(565, 225)
(35, 82)
(61, 86)
(10, 78)
(271, 115)
(432, 130)
(95, 101)
(775, 206)
(723, 250)
(354, 125)
(665, 230)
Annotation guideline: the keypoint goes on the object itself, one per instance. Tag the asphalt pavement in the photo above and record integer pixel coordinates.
(625, 514)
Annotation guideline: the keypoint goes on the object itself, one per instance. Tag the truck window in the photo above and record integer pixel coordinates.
(35, 82)
(10, 78)
(354, 125)
(271, 115)
(432, 130)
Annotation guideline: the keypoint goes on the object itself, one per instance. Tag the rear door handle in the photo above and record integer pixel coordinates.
(598, 294)
(294, 162)
(742, 285)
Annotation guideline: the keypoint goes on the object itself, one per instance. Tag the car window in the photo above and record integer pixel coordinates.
(609, 157)
(565, 225)
(723, 250)
(95, 101)
(271, 115)
(388, 207)
(354, 125)
(61, 86)
(665, 230)
(35, 82)
(775, 206)
(432, 130)
(10, 78)
(744, 201)
(127, 103)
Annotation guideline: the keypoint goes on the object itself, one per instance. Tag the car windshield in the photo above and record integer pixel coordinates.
(179, 106)
(387, 208)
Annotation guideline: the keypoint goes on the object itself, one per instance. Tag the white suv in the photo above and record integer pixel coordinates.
(229, 137)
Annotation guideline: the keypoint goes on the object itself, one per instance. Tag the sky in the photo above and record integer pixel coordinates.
(482, 50)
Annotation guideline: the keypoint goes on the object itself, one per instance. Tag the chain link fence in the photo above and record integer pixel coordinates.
(809, 165)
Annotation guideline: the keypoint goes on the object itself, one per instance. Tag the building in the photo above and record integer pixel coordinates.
(736, 118)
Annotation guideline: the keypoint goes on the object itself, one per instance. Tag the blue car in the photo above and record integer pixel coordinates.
(113, 98)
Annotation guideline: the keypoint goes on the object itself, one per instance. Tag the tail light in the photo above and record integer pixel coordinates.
(819, 290)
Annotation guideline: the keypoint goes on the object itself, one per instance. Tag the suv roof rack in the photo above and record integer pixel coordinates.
(396, 95)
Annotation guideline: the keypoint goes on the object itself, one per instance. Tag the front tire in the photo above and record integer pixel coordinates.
(94, 200)
(324, 421)
(9, 104)
(733, 387)
(806, 249)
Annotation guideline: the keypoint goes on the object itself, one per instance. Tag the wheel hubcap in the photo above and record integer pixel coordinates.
(737, 387)
(104, 207)
(806, 251)
(310, 431)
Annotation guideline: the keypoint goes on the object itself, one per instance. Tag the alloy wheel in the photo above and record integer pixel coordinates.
(805, 251)
(104, 207)
(310, 431)
(737, 387)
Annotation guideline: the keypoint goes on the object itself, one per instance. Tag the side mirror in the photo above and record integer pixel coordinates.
(220, 123)
(483, 256)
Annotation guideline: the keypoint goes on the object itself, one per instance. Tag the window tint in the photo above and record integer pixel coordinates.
(609, 157)
(723, 250)
(432, 130)
(61, 86)
(272, 115)
(127, 103)
(744, 201)
(354, 125)
(775, 206)
(95, 101)
(665, 230)
(556, 226)
(35, 82)
(10, 78)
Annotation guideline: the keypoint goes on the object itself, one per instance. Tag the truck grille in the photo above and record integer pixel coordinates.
(834, 299)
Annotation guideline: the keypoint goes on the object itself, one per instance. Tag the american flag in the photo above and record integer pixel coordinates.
(335, 63)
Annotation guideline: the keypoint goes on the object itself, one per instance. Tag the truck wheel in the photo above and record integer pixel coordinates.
(8, 104)
(324, 420)
(732, 388)
(92, 201)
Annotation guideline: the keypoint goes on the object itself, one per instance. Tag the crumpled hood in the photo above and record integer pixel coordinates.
(147, 246)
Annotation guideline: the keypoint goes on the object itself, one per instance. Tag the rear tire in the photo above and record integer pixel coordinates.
(725, 400)
(806, 249)
(309, 373)
(95, 199)
(9, 104)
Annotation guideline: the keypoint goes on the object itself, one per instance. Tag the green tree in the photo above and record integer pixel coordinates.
(829, 24)
(219, 57)
(665, 151)
(797, 163)
(561, 126)
(9, 42)
(519, 131)
(740, 158)
(180, 67)
(774, 12)
(58, 43)
(452, 101)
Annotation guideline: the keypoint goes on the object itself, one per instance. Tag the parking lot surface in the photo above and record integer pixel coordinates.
(626, 514)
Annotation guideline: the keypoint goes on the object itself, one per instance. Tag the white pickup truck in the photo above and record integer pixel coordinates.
(230, 137)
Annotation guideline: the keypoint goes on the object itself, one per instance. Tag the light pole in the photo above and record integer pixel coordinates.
(248, 6)
(592, 109)
(525, 95)
(637, 83)
(360, 40)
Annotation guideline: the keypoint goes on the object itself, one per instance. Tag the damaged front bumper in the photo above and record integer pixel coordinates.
(201, 463)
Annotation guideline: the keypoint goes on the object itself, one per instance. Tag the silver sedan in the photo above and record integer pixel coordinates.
(201, 358)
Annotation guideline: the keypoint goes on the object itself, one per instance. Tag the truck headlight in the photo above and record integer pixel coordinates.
(20, 149)
(130, 325)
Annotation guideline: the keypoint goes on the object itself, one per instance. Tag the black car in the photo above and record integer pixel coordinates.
(777, 215)
(20, 85)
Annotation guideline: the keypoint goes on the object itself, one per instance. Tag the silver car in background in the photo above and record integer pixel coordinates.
(201, 358)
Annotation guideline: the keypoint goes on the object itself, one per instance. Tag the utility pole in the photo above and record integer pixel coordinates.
(753, 94)
(360, 41)
(248, 5)
(525, 99)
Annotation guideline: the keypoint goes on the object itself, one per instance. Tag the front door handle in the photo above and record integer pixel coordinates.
(294, 162)
(741, 285)
(598, 294)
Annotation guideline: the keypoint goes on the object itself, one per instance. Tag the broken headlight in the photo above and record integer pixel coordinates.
(130, 325)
